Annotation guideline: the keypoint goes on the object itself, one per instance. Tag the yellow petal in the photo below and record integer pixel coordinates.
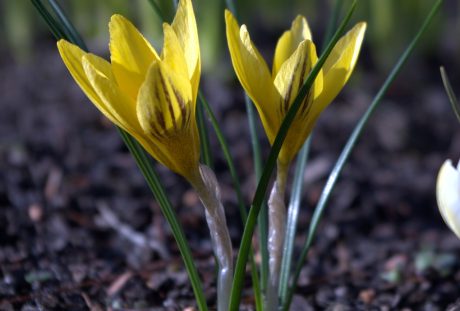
(289, 42)
(340, 64)
(184, 25)
(72, 56)
(112, 101)
(172, 54)
(252, 71)
(288, 81)
(448, 195)
(165, 101)
(131, 54)
(166, 112)
(293, 73)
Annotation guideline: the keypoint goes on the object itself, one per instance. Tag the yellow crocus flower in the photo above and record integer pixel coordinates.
(151, 96)
(295, 55)
(448, 195)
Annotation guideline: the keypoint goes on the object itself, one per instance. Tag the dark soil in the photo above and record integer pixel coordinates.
(77, 220)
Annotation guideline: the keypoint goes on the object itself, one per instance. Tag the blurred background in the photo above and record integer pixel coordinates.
(391, 24)
(63, 168)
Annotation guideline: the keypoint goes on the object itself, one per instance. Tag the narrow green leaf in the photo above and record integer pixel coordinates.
(68, 28)
(53, 25)
(206, 152)
(330, 183)
(236, 184)
(258, 286)
(292, 216)
(259, 197)
(263, 215)
(157, 9)
(297, 186)
(450, 93)
(231, 6)
(145, 165)
(227, 155)
(333, 21)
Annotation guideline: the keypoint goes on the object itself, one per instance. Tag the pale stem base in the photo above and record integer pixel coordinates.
(207, 187)
(276, 232)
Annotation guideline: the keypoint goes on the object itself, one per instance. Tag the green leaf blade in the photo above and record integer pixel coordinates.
(333, 177)
(259, 197)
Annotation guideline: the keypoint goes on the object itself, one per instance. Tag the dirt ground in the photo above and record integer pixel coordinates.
(79, 229)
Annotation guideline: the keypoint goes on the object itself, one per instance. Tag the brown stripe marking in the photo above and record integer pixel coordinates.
(168, 100)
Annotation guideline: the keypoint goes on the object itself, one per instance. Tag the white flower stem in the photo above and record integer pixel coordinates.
(207, 188)
(276, 232)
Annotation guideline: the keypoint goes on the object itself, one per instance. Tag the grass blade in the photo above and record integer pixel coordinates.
(294, 203)
(333, 21)
(450, 93)
(231, 166)
(262, 220)
(144, 163)
(53, 25)
(157, 9)
(206, 152)
(226, 150)
(68, 28)
(292, 216)
(259, 196)
(349, 147)
(258, 286)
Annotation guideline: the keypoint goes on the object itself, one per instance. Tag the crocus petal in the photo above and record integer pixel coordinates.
(252, 70)
(448, 195)
(112, 100)
(293, 73)
(72, 56)
(184, 25)
(339, 65)
(288, 81)
(172, 54)
(131, 54)
(289, 42)
(166, 112)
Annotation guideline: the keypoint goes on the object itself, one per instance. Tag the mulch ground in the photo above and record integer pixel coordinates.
(72, 199)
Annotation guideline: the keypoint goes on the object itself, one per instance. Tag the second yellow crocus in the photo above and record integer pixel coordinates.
(295, 55)
(273, 94)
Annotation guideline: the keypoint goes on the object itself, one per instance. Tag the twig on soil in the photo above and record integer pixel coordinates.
(119, 283)
(111, 219)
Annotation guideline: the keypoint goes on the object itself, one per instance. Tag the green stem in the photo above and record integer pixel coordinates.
(333, 21)
(263, 215)
(333, 177)
(68, 27)
(450, 93)
(271, 162)
(205, 145)
(293, 212)
(297, 185)
(157, 189)
(237, 186)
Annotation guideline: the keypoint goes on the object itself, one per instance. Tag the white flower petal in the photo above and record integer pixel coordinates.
(448, 195)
